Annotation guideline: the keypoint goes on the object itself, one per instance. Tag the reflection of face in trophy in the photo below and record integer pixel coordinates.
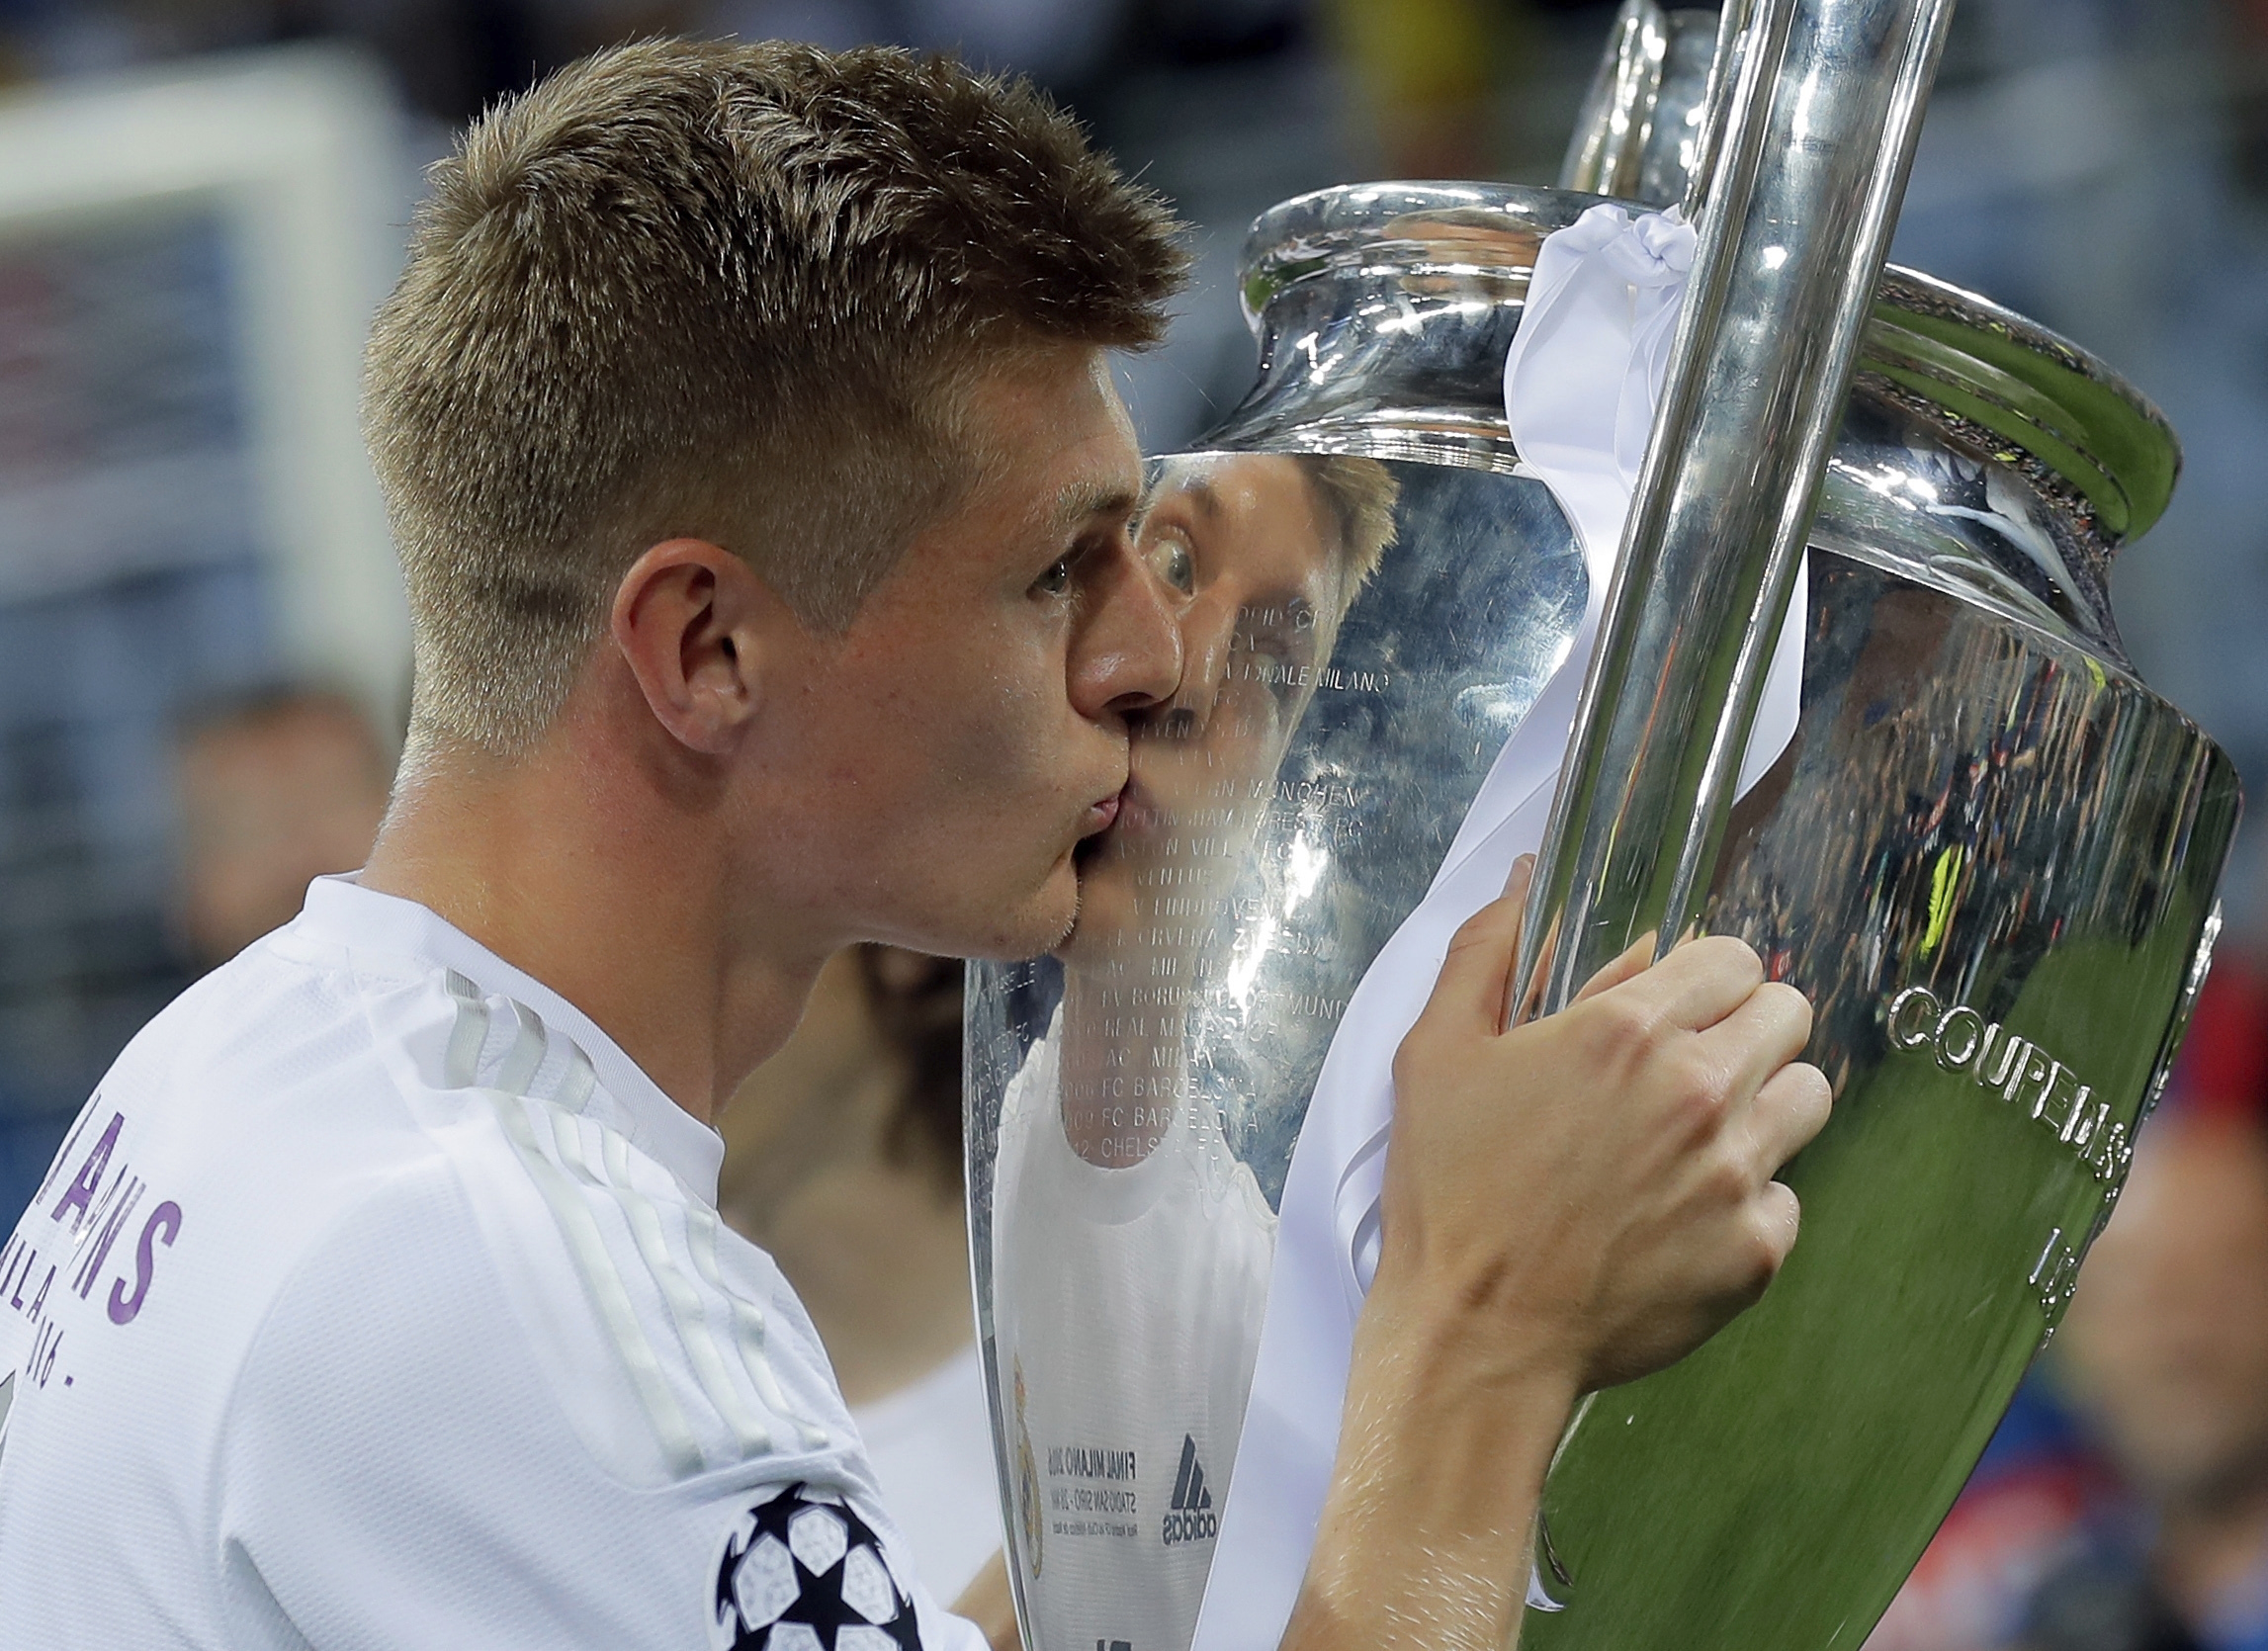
(1131, 1246)
(1270, 550)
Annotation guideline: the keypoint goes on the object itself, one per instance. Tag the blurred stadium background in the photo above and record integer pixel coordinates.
(200, 200)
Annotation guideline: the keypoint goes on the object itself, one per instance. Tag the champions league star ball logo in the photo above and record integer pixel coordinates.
(804, 1572)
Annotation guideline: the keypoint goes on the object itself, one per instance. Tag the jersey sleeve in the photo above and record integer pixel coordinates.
(397, 1470)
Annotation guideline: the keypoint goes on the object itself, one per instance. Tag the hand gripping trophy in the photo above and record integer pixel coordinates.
(1763, 591)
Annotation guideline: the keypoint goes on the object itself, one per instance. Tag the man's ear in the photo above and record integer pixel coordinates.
(694, 621)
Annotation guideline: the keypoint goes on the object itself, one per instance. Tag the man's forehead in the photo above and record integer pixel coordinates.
(1188, 481)
(1108, 483)
(1057, 439)
(1241, 486)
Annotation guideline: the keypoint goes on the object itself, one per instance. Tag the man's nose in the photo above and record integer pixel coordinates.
(1209, 634)
(1127, 654)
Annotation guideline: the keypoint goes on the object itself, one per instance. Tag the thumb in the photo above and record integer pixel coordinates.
(1476, 975)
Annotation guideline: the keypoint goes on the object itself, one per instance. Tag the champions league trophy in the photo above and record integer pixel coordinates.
(1794, 625)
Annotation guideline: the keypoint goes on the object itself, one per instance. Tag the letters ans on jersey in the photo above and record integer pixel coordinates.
(63, 1249)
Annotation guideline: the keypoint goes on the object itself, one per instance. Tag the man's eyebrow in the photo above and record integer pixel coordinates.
(1082, 500)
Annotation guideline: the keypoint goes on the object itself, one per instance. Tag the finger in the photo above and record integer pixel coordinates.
(1632, 964)
(1764, 1033)
(1788, 1113)
(1519, 885)
(1777, 1215)
(1476, 975)
(1701, 981)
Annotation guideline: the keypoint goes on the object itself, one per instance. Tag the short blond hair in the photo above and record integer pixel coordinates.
(1360, 494)
(727, 292)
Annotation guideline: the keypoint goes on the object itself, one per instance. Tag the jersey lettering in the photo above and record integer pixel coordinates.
(80, 1194)
(163, 1224)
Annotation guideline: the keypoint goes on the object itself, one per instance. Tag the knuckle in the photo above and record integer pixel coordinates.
(1788, 999)
(1696, 1069)
(1697, 1085)
(1466, 939)
(1695, 1113)
(1431, 1057)
(1818, 1095)
(1728, 954)
(1626, 1021)
(1765, 1258)
(1791, 1009)
(1797, 1105)
(1776, 1220)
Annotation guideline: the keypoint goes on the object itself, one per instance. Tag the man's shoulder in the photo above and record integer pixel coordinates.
(461, 1136)
(514, 1222)
(283, 1049)
(268, 1101)
(231, 1132)
(271, 1009)
(556, 1350)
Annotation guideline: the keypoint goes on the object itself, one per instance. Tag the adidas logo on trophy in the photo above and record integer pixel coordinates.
(1192, 1517)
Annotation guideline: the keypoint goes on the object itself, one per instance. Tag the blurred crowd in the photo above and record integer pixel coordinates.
(2101, 166)
(2122, 1506)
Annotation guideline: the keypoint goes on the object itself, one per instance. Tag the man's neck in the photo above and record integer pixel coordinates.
(574, 866)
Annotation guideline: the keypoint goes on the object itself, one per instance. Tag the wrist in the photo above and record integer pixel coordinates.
(1461, 1333)
(1447, 1384)
(1444, 1446)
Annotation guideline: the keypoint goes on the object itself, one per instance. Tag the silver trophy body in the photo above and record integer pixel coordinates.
(1988, 855)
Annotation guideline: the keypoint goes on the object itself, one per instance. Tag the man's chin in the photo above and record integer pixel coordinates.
(1033, 928)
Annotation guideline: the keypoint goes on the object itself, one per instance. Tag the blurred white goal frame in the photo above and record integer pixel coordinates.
(300, 153)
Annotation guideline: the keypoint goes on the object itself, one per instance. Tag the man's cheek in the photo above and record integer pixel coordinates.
(1018, 761)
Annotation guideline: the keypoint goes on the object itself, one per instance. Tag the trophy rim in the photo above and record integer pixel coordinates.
(1993, 379)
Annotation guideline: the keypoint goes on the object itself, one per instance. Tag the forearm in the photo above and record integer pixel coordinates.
(1425, 1540)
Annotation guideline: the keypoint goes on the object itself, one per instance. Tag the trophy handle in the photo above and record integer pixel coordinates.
(1616, 120)
(1642, 133)
(1804, 167)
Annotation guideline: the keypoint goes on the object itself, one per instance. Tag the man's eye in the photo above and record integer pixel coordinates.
(1057, 579)
(1169, 558)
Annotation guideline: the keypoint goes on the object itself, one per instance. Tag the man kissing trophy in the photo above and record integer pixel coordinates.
(1758, 589)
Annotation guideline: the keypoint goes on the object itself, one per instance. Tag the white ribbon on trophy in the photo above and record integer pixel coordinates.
(1581, 384)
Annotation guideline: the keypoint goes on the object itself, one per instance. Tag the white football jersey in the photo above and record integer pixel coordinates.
(1126, 1312)
(377, 1299)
